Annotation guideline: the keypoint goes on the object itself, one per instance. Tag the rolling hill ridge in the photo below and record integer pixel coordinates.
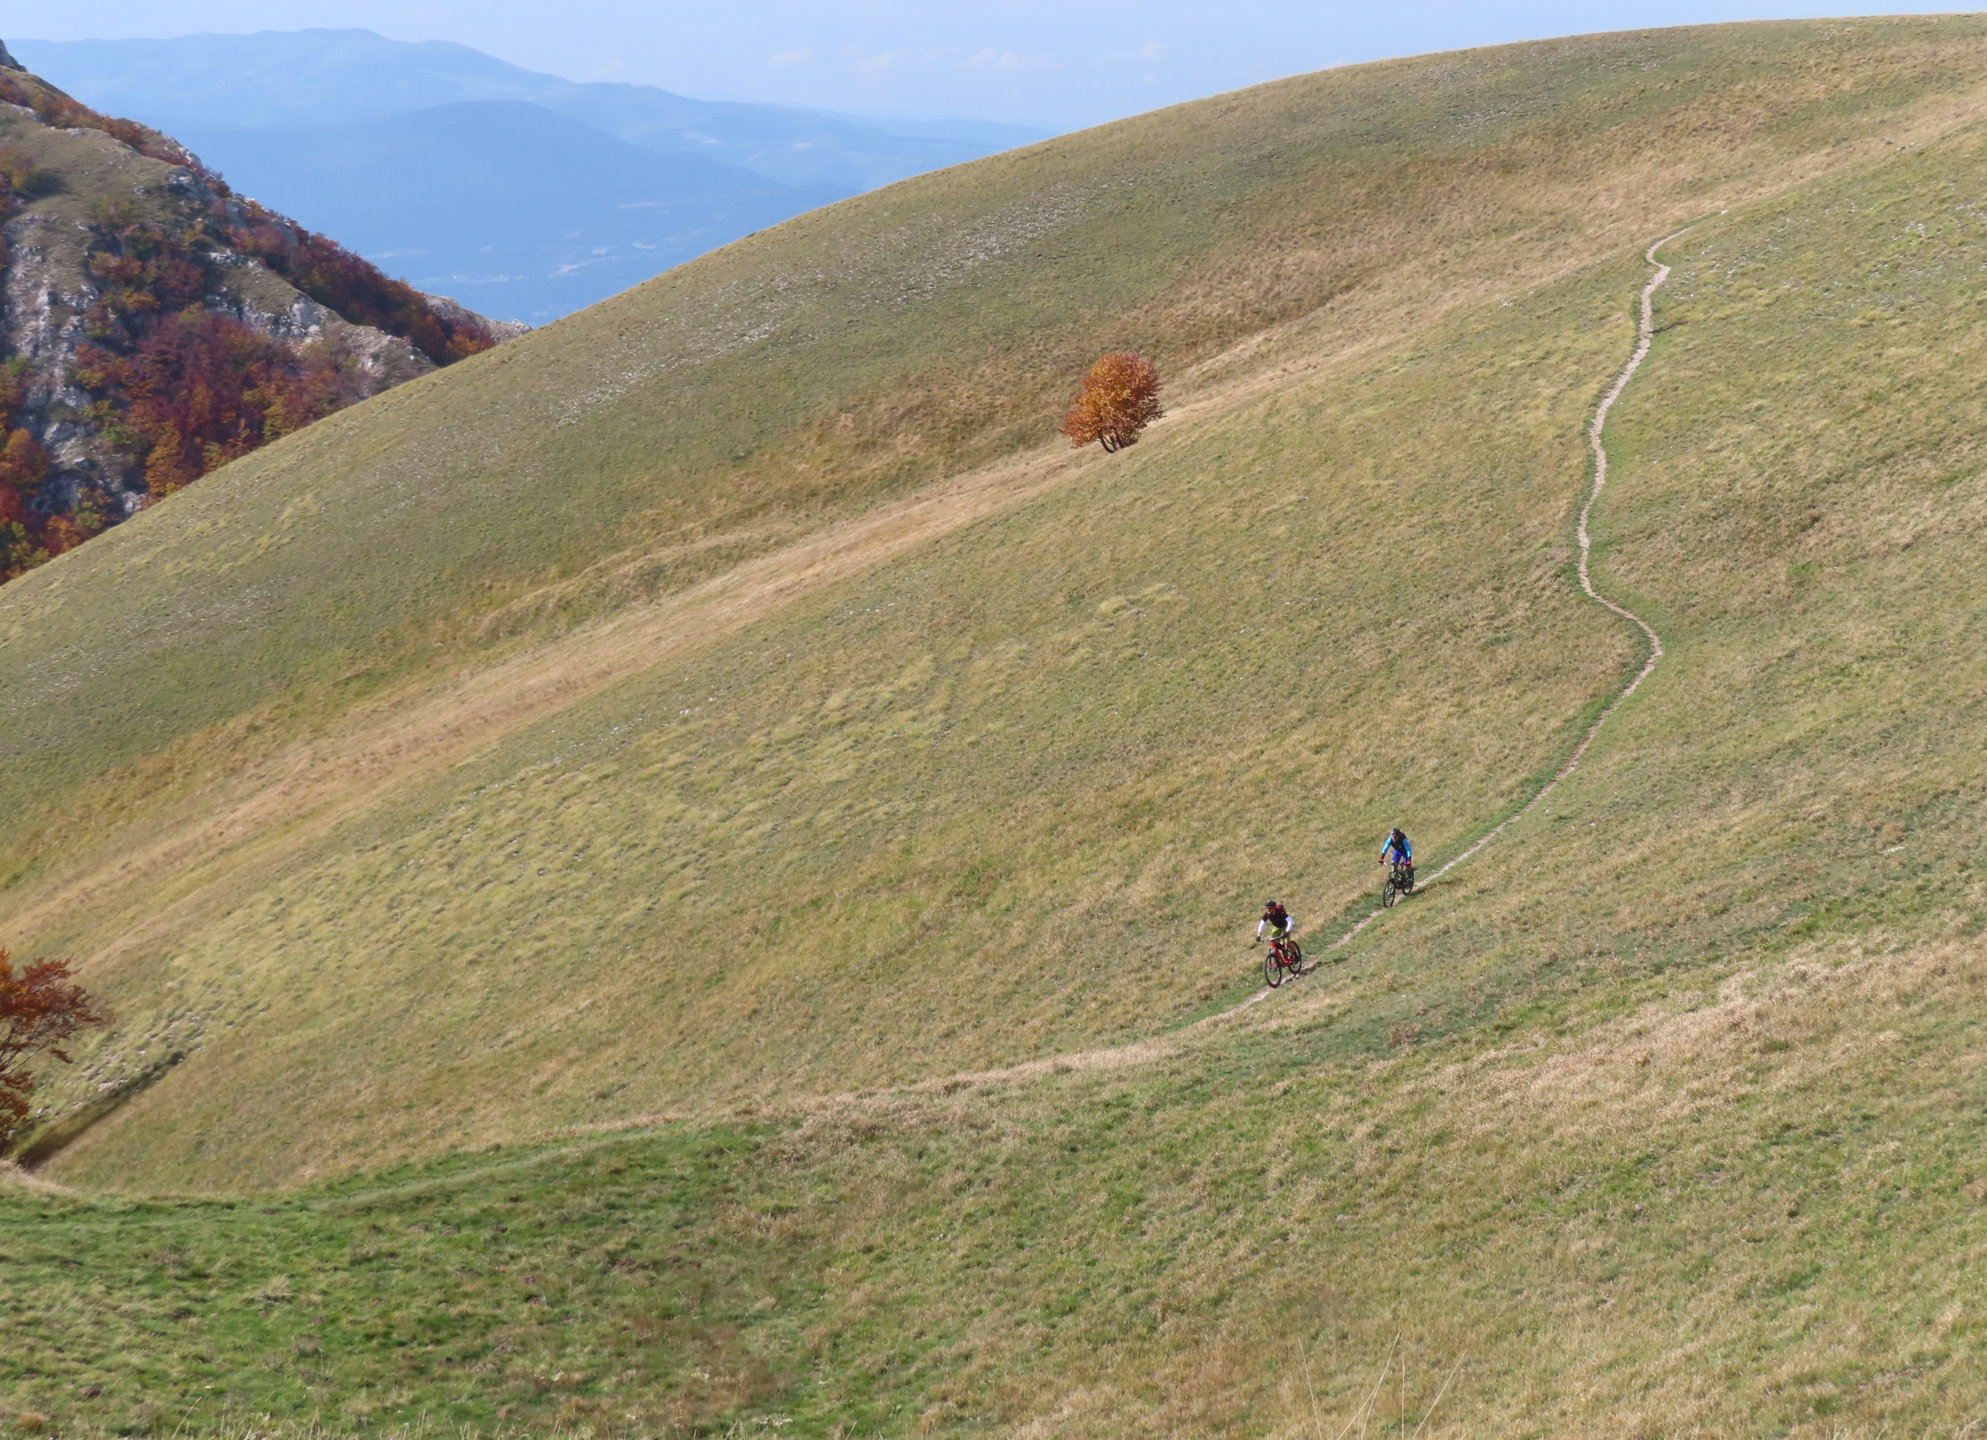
(714, 891)
(518, 193)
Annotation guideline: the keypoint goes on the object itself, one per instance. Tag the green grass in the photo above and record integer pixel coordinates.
(921, 824)
(923, 915)
(1657, 1117)
(731, 403)
(1746, 1206)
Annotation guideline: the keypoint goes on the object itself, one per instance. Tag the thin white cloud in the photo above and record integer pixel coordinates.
(783, 59)
(1150, 50)
(877, 65)
(1007, 62)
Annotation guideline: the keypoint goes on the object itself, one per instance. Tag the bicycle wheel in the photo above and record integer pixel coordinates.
(1272, 969)
(1387, 896)
(1296, 958)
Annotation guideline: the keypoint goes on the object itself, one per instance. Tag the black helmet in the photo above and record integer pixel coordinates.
(1399, 834)
(1269, 904)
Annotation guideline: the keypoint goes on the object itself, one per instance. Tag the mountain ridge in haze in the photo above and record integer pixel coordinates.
(309, 77)
(729, 737)
(155, 323)
(571, 193)
(502, 204)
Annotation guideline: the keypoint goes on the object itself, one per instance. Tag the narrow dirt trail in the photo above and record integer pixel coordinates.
(1140, 1052)
(285, 804)
(306, 794)
(1645, 335)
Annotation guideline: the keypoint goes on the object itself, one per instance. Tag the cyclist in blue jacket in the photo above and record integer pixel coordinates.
(1397, 851)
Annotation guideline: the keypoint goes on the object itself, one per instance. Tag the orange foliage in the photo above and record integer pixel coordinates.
(147, 273)
(1119, 398)
(197, 390)
(23, 463)
(62, 533)
(41, 1009)
(172, 385)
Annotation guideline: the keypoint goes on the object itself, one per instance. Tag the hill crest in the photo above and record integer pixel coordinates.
(537, 557)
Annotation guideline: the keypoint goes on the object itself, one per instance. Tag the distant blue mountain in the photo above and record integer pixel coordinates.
(318, 77)
(522, 195)
(514, 211)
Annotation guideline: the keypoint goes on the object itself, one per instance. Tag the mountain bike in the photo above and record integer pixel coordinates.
(1285, 958)
(1399, 882)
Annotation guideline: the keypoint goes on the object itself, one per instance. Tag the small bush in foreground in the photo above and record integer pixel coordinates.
(41, 1007)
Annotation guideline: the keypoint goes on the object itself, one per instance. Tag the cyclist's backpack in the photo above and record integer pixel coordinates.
(1278, 916)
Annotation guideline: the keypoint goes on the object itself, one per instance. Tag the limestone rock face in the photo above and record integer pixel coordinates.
(456, 310)
(51, 296)
(93, 209)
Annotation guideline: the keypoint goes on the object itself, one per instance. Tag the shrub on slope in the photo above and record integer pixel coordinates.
(428, 854)
(1662, 1115)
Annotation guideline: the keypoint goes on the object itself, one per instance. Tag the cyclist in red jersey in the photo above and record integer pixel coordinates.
(1276, 923)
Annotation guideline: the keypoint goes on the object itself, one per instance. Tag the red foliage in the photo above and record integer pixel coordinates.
(1119, 398)
(146, 275)
(62, 533)
(356, 289)
(197, 390)
(23, 465)
(54, 108)
(41, 1009)
(174, 385)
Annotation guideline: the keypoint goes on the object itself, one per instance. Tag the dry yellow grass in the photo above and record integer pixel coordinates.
(489, 889)
(856, 892)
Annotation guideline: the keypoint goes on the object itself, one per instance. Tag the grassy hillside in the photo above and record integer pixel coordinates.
(1745, 1206)
(807, 865)
(505, 752)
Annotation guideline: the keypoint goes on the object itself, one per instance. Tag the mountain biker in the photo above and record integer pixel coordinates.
(1276, 921)
(1397, 851)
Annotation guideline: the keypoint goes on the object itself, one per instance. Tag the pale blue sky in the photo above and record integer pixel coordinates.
(1059, 64)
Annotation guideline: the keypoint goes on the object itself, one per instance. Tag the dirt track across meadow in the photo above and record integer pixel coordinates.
(1158, 1047)
(1645, 335)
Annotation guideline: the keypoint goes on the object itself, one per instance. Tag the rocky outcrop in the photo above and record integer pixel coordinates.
(454, 310)
(114, 238)
(46, 302)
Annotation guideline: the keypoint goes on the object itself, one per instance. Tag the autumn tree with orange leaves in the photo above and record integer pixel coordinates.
(1119, 398)
(41, 1009)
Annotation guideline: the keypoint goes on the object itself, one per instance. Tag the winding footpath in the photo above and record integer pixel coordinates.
(1645, 335)
(1156, 1047)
